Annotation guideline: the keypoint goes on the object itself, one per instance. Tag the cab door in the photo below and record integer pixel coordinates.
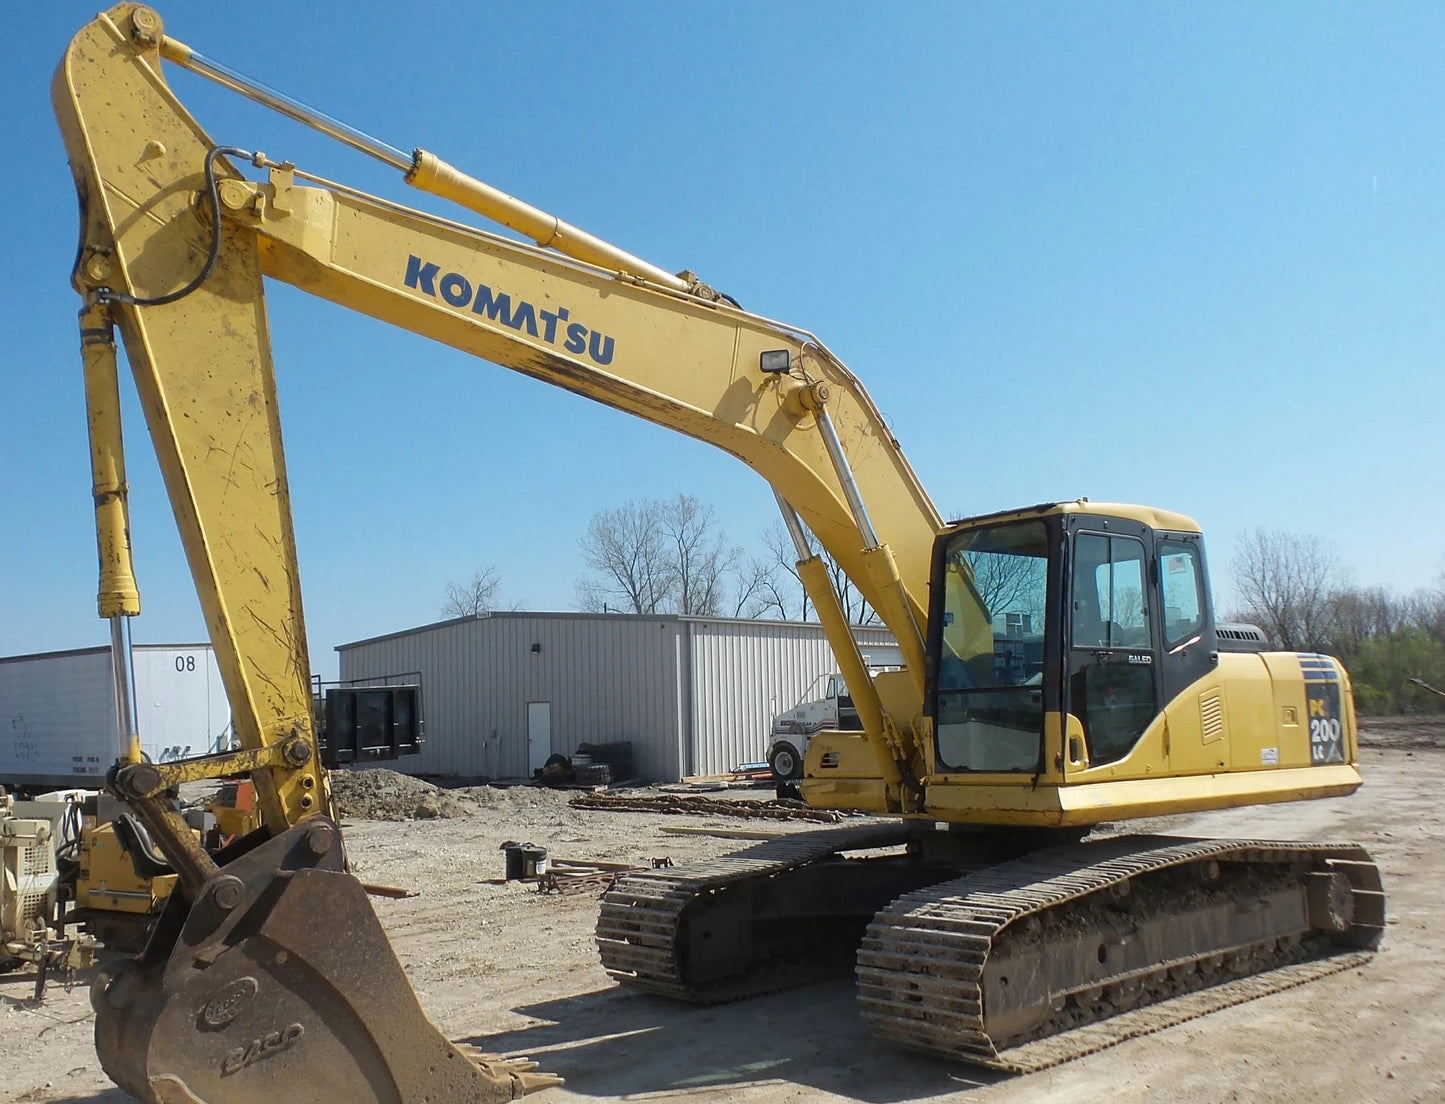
(1194, 703)
(1113, 685)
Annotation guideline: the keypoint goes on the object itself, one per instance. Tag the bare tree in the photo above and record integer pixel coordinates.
(785, 592)
(1429, 609)
(1358, 614)
(783, 589)
(671, 557)
(699, 556)
(755, 588)
(1285, 583)
(1294, 589)
(855, 607)
(474, 598)
(1009, 582)
(627, 548)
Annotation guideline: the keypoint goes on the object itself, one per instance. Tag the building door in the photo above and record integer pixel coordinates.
(539, 734)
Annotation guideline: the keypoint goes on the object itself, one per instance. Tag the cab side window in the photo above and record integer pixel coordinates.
(1182, 591)
(1111, 607)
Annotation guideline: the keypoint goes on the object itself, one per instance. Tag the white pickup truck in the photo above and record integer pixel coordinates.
(830, 709)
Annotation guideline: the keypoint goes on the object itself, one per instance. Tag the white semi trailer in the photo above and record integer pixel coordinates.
(58, 720)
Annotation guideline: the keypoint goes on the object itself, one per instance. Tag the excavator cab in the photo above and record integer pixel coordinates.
(1074, 645)
(1102, 618)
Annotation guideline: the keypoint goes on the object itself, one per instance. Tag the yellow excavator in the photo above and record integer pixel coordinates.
(1063, 667)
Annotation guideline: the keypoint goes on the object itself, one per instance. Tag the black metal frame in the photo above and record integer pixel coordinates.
(368, 721)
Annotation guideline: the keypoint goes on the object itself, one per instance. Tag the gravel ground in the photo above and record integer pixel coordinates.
(515, 971)
(1414, 730)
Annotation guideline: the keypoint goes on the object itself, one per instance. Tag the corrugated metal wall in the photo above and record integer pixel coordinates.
(57, 710)
(694, 696)
(746, 672)
(607, 678)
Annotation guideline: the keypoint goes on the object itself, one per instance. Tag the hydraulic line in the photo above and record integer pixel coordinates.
(182, 55)
(109, 295)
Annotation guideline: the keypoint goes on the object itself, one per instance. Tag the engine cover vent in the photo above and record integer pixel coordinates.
(1237, 637)
(1211, 715)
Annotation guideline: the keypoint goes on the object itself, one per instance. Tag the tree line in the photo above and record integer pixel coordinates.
(1295, 588)
(672, 556)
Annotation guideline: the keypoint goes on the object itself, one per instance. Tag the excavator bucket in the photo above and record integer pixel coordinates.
(278, 984)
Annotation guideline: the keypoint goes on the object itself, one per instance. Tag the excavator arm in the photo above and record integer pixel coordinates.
(664, 348)
(274, 943)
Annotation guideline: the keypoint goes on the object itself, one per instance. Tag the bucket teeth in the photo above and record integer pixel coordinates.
(519, 1069)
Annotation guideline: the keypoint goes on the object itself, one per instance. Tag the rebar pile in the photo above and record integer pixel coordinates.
(702, 806)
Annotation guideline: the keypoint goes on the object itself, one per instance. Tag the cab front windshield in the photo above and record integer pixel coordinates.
(990, 670)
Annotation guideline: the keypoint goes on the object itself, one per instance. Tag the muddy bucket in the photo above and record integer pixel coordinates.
(525, 862)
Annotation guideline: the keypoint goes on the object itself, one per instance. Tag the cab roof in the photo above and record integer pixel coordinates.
(1151, 516)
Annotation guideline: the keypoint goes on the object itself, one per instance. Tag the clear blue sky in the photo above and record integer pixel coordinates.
(1185, 255)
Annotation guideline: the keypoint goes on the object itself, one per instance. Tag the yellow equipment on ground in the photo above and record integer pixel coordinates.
(1062, 663)
(117, 904)
(120, 885)
(34, 925)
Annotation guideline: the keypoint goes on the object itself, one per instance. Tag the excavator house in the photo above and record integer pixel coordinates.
(1063, 666)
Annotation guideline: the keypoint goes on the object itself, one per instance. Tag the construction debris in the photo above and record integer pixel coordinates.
(388, 891)
(376, 793)
(746, 776)
(590, 766)
(703, 806)
(721, 833)
(571, 773)
(381, 794)
(569, 876)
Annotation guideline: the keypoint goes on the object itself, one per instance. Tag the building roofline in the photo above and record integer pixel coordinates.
(566, 615)
(99, 649)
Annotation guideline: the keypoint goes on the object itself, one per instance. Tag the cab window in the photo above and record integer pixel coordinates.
(1111, 663)
(1111, 608)
(1181, 591)
(990, 673)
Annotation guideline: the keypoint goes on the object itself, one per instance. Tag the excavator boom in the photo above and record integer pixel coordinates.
(181, 277)
(300, 994)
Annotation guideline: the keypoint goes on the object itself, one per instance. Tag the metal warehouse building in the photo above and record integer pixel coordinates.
(502, 692)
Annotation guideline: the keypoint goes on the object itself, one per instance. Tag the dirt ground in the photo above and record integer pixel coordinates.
(515, 971)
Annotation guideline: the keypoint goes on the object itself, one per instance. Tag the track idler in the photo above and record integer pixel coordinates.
(278, 984)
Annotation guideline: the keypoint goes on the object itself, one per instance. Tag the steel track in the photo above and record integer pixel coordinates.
(922, 964)
(642, 917)
(921, 967)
